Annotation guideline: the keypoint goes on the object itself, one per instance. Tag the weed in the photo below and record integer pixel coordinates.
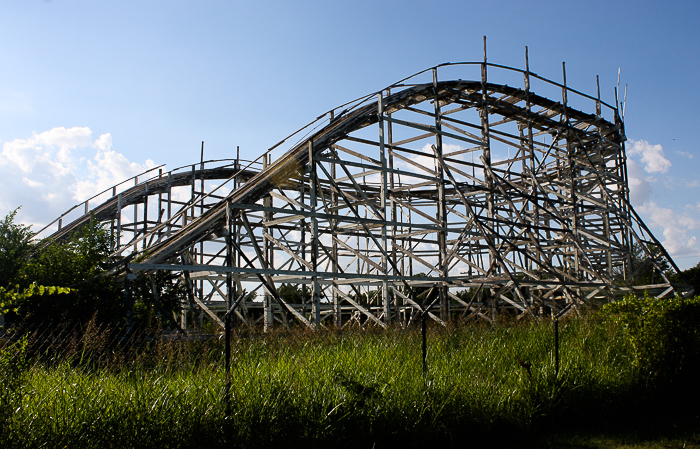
(342, 388)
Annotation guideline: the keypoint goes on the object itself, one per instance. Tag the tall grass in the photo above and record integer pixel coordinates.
(344, 388)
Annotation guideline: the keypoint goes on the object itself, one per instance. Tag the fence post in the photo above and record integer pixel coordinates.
(432, 294)
(556, 347)
(227, 384)
(424, 342)
(230, 293)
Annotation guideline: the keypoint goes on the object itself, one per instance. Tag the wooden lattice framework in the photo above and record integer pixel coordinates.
(433, 185)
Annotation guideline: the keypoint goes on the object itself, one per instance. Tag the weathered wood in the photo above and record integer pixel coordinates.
(353, 209)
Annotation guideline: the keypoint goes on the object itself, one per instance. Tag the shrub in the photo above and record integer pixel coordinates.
(665, 334)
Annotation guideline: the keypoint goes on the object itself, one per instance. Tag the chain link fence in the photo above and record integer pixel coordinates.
(326, 385)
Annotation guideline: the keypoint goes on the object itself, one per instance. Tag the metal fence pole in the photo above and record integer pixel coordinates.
(556, 347)
(424, 342)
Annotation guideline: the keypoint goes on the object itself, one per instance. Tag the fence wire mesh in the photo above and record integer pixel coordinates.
(82, 379)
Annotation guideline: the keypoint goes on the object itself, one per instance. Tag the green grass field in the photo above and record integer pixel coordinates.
(486, 386)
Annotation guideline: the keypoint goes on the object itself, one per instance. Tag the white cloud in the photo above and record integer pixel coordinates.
(640, 187)
(104, 142)
(652, 156)
(31, 183)
(105, 170)
(648, 171)
(51, 147)
(685, 154)
(51, 171)
(676, 229)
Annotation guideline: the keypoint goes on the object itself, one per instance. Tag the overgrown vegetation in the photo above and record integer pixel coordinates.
(62, 284)
(665, 335)
(486, 383)
(13, 371)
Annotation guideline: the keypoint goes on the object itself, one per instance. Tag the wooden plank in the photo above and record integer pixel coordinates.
(356, 154)
(417, 211)
(358, 254)
(369, 314)
(284, 248)
(414, 257)
(285, 198)
(411, 139)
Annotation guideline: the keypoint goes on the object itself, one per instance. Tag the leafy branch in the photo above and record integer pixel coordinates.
(11, 299)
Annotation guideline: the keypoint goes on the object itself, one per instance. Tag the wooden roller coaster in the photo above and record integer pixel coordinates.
(443, 197)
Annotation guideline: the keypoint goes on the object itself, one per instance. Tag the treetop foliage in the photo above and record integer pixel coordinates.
(15, 247)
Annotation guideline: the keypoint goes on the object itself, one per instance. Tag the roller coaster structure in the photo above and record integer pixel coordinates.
(434, 196)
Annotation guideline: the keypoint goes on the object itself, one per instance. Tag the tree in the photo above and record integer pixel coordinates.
(664, 334)
(15, 247)
(647, 272)
(157, 295)
(78, 264)
(691, 276)
(294, 294)
(67, 282)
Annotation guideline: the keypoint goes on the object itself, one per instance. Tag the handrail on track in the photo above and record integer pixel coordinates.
(86, 202)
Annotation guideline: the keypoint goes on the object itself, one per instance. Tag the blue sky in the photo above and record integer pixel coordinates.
(91, 91)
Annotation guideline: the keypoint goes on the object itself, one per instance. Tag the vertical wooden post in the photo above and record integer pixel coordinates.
(605, 199)
(169, 228)
(268, 312)
(441, 204)
(160, 205)
(119, 220)
(486, 138)
(112, 227)
(316, 287)
(573, 172)
(392, 204)
(488, 181)
(386, 305)
(424, 341)
(302, 242)
(145, 215)
(201, 212)
(337, 310)
(136, 217)
(533, 203)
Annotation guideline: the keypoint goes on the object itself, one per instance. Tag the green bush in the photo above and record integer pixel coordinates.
(665, 334)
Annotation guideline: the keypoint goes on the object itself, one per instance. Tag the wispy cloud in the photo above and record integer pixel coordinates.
(677, 228)
(639, 185)
(649, 172)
